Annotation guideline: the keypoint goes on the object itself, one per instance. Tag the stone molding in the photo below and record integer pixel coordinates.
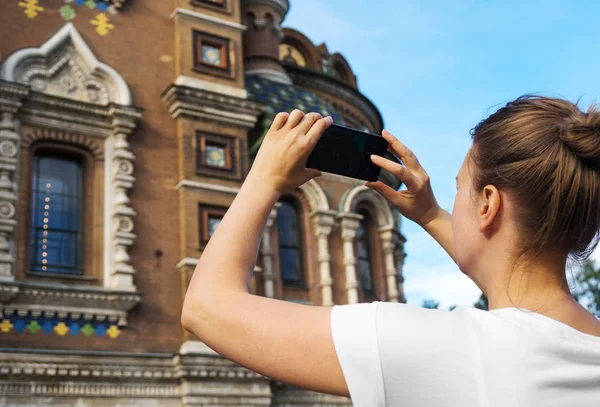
(201, 104)
(85, 71)
(281, 6)
(86, 303)
(205, 18)
(192, 379)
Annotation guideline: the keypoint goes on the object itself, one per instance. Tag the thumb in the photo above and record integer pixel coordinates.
(313, 173)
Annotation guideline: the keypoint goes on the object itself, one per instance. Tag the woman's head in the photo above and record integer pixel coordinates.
(537, 160)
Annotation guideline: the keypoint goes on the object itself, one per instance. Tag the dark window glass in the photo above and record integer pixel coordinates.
(56, 215)
(364, 257)
(289, 244)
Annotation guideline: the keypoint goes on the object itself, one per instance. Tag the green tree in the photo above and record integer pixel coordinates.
(431, 304)
(482, 303)
(586, 288)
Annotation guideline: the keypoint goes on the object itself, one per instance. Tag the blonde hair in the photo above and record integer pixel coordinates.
(546, 153)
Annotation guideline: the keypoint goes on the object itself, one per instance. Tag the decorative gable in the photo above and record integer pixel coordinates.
(65, 66)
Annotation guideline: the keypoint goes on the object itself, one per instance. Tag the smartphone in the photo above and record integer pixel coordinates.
(345, 151)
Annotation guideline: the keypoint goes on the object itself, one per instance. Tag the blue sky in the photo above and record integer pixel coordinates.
(436, 68)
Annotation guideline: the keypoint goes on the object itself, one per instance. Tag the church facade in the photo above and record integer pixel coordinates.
(126, 129)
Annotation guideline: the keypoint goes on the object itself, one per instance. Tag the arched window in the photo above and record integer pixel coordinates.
(56, 214)
(363, 255)
(290, 247)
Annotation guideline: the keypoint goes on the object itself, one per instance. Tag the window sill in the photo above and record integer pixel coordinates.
(60, 276)
(58, 299)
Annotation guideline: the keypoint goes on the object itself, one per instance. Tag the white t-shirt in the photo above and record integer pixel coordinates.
(399, 355)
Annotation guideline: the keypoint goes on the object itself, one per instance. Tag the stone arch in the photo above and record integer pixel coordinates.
(31, 135)
(65, 66)
(303, 44)
(315, 195)
(341, 65)
(360, 194)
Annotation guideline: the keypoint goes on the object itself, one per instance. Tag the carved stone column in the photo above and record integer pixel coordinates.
(387, 244)
(323, 222)
(266, 251)
(399, 256)
(10, 102)
(350, 223)
(122, 214)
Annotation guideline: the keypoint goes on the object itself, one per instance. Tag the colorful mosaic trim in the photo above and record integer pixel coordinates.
(102, 22)
(58, 326)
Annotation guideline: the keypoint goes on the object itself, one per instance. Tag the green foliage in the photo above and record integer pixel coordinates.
(586, 289)
(431, 304)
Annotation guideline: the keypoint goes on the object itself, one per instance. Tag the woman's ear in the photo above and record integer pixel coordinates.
(489, 207)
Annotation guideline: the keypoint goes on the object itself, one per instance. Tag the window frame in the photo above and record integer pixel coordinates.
(204, 212)
(368, 221)
(286, 283)
(199, 38)
(232, 170)
(88, 271)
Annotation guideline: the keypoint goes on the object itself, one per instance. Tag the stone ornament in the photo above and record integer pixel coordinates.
(8, 148)
(7, 210)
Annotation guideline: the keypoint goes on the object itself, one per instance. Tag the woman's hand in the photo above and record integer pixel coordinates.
(417, 202)
(281, 160)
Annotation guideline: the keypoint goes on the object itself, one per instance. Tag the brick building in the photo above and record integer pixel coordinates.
(126, 128)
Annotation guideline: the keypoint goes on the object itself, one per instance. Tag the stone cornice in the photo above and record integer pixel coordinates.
(281, 6)
(219, 22)
(211, 106)
(317, 80)
(58, 300)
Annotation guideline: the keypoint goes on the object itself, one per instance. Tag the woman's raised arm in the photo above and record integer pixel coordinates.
(285, 341)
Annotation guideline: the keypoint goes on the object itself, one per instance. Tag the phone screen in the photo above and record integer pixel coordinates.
(345, 151)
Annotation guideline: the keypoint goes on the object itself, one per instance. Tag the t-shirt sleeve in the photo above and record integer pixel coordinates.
(354, 332)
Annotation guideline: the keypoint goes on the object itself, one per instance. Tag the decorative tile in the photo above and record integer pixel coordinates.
(74, 328)
(100, 330)
(61, 329)
(211, 55)
(87, 330)
(113, 331)
(282, 97)
(20, 326)
(5, 326)
(67, 12)
(215, 156)
(31, 8)
(57, 326)
(34, 327)
(102, 23)
(91, 4)
(48, 327)
(102, 6)
(80, 2)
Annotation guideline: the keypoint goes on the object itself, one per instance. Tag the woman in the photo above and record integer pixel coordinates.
(528, 196)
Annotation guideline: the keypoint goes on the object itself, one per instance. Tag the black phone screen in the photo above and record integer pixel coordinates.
(345, 151)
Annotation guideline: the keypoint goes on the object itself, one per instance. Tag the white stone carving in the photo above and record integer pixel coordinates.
(7, 210)
(385, 222)
(266, 250)
(8, 148)
(45, 87)
(65, 66)
(350, 222)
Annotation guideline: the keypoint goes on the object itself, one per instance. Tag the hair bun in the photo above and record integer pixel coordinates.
(583, 136)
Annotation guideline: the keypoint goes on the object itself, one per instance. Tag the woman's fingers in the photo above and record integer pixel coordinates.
(387, 192)
(295, 117)
(279, 121)
(315, 132)
(308, 121)
(400, 171)
(404, 153)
